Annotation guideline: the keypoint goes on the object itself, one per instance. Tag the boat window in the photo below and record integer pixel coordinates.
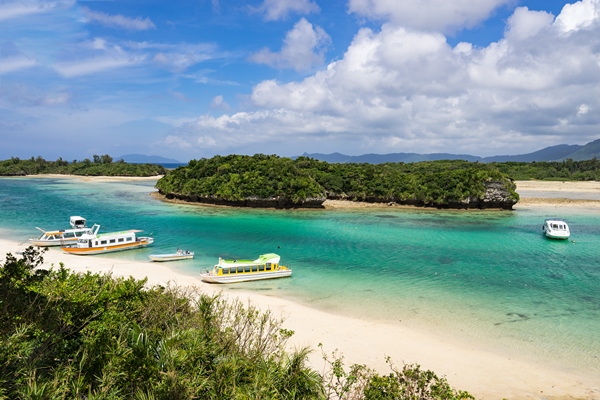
(129, 239)
(83, 241)
(68, 234)
(78, 234)
(121, 240)
(113, 240)
(261, 267)
(254, 268)
(103, 242)
(268, 267)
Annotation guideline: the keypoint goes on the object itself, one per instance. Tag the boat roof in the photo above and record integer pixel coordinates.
(118, 233)
(262, 259)
(558, 220)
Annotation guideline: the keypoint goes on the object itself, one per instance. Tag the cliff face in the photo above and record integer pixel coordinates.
(255, 202)
(498, 195)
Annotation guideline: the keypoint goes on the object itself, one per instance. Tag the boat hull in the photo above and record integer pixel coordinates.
(53, 242)
(246, 277)
(558, 236)
(170, 257)
(84, 251)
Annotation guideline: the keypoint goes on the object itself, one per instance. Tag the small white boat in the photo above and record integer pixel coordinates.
(556, 229)
(178, 255)
(62, 237)
(93, 243)
(231, 271)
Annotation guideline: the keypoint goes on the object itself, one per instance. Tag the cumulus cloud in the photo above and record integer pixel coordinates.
(403, 89)
(524, 23)
(219, 103)
(579, 15)
(274, 10)
(118, 21)
(437, 15)
(303, 47)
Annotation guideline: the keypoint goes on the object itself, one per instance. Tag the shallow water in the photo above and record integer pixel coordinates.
(488, 278)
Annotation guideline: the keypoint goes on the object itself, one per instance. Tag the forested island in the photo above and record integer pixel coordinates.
(272, 181)
(98, 166)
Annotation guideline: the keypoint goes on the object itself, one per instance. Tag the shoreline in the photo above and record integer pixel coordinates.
(484, 373)
(577, 194)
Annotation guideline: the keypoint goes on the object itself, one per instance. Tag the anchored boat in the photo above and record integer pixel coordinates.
(62, 237)
(178, 255)
(231, 271)
(556, 229)
(94, 243)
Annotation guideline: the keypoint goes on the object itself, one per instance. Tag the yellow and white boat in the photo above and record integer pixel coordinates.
(62, 237)
(231, 271)
(94, 243)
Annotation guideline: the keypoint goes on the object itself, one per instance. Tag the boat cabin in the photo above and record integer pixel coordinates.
(108, 239)
(77, 222)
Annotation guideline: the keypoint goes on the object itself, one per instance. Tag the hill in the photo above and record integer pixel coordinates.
(553, 153)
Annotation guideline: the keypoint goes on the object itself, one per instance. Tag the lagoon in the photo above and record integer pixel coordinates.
(489, 278)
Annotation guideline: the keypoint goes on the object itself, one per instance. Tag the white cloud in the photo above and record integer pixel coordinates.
(96, 56)
(17, 9)
(118, 21)
(17, 63)
(219, 103)
(402, 89)
(524, 24)
(579, 15)
(303, 47)
(274, 10)
(438, 15)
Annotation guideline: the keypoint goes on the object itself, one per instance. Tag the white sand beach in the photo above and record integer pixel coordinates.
(484, 373)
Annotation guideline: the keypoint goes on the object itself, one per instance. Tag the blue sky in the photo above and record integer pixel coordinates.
(187, 80)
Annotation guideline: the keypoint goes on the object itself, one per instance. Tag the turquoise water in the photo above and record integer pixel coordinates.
(487, 278)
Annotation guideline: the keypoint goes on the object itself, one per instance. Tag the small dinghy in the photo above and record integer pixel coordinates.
(178, 255)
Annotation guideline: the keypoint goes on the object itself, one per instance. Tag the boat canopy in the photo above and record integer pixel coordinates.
(77, 222)
(265, 258)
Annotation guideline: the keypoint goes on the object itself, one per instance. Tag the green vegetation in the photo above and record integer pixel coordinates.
(237, 178)
(89, 336)
(568, 170)
(100, 166)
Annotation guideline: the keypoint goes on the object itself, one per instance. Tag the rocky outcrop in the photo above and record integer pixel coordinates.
(497, 195)
(16, 173)
(254, 202)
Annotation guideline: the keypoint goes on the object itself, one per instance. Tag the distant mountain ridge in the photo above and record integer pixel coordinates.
(144, 159)
(560, 152)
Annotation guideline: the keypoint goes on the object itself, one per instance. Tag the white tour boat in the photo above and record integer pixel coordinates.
(178, 255)
(94, 243)
(556, 229)
(231, 271)
(62, 237)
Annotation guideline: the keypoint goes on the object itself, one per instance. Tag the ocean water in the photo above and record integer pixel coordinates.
(489, 278)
